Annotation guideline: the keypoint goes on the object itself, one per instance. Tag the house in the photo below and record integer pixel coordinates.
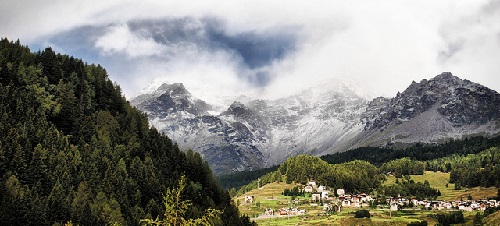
(312, 183)
(316, 197)
(340, 192)
(355, 199)
(249, 199)
(269, 212)
(324, 194)
(321, 188)
(414, 201)
(346, 202)
(308, 189)
(363, 196)
(394, 207)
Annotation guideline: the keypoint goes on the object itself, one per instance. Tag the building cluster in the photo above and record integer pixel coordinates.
(465, 205)
(291, 211)
(331, 202)
(320, 192)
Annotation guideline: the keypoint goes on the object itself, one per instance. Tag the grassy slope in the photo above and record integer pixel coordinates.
(270, 196)
(439, 180)
(492, 219)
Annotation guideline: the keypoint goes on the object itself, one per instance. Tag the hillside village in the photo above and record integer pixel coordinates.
(336, 200)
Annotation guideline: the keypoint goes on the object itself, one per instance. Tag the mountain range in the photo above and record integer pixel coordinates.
(323, 119)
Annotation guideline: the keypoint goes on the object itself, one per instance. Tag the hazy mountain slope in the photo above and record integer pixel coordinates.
(257, 133)
(324, 119)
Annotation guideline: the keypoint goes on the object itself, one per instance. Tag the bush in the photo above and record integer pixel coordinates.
(418, 223)
(452, 218)
(362, 214)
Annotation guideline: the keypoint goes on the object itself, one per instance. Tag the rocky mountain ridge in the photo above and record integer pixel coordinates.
(430, 111)
(323, 119)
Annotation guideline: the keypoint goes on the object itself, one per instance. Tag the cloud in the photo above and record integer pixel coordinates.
(190, 49)
(267, 48)
(473, 44)
(119, 39)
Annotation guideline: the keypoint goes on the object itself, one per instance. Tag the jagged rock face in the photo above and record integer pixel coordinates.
(170, 99)
(431, 111)
(321, 120)
(460, 101)
(257, 133)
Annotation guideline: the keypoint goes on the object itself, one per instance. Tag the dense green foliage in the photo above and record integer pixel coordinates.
(482, 169)
(303, 168)
(403, 166)
(379, 156)
(354, 176)
(446, 219)
(408, 188)
(73, 149)
(238, 179)
(295, 191)
(176, 210)
(490, 210)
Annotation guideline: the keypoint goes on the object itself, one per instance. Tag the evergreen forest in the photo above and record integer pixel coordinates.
(74, 151)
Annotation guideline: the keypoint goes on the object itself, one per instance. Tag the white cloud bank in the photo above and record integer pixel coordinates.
(381, 44)
(119, 39)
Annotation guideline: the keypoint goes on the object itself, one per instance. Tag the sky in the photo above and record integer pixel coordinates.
(266, 49)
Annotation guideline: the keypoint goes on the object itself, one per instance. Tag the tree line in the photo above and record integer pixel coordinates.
(378, 156)
(482, 169)
(419, 151)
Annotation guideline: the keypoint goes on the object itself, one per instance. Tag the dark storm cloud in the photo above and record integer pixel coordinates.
(255, 50)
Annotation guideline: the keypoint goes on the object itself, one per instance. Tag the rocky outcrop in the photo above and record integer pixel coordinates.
(462, 102)
(432, 111)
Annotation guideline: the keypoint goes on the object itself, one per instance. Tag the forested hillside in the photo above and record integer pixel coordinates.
(381, 156)
(482, 169)
(73, 149)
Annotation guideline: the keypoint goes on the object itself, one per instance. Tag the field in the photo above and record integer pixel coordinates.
(439, 180)
(269, 196)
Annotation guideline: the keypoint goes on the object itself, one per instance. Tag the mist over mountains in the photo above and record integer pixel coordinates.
(323, 119)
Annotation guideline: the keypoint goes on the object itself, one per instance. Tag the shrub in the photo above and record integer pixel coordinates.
(418, 223)
(362, 214)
